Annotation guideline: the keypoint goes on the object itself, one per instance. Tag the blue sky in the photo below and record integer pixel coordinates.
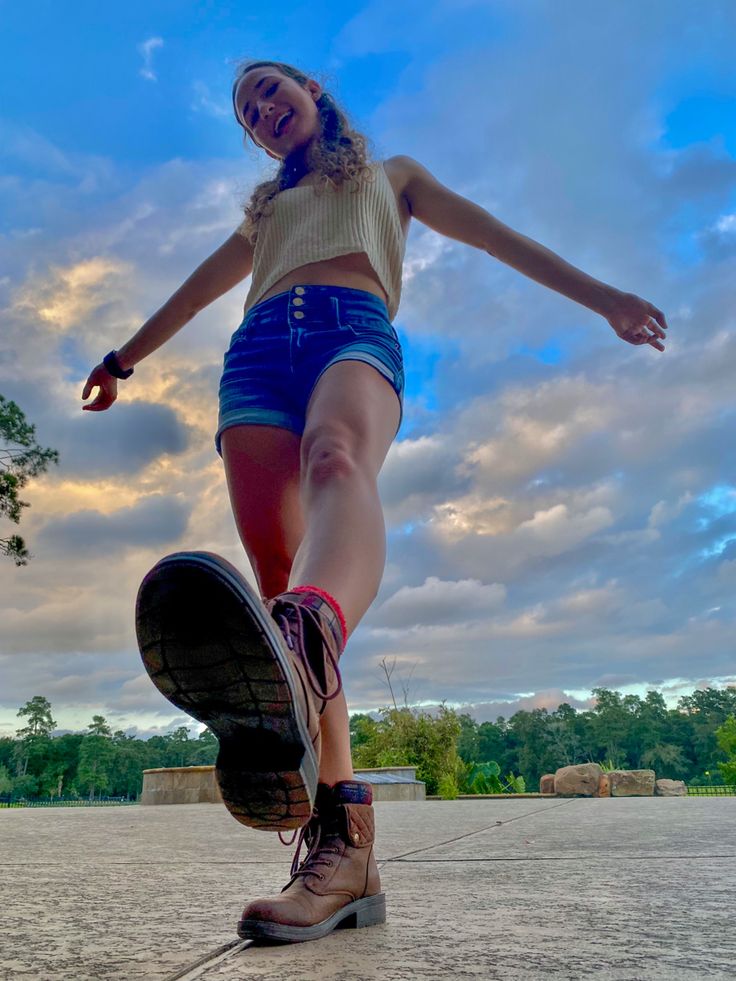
(560, 506)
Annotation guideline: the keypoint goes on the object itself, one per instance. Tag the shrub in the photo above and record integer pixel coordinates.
(726, 736)
(403, 737)
(447, 788)
(485, 778)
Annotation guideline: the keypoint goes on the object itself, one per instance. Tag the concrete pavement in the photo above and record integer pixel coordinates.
(625, 889)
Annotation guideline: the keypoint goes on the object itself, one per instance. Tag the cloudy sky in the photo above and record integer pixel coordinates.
(561, 506)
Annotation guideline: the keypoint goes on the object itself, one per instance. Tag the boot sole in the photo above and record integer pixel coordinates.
(369, 911)
(211, 649)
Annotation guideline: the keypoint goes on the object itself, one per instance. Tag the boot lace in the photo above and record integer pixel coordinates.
(300, 648)
(311, 834)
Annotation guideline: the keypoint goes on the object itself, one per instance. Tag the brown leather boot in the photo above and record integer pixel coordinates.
(211, 648)
(337, 885)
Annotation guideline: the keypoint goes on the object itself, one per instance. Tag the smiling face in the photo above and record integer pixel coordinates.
(276, 111)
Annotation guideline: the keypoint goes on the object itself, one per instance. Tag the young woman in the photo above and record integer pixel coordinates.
(310, 402)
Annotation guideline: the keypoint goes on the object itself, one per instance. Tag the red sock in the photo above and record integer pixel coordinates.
(329, 599)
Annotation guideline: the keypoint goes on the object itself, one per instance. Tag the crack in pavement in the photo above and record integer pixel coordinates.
(184, 861)
(595, 856)
(469, 834)
(198, 967)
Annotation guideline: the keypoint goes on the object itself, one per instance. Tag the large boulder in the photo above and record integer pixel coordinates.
(670, 788)
(604, 786)
(547, 784)
(631, 783)
(581, 780)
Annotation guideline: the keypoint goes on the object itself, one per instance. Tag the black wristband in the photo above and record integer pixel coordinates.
(112, 364)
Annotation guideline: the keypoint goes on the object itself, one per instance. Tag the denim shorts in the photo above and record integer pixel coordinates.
(285, 343)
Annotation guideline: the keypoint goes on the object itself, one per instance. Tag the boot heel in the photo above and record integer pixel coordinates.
(366, 912)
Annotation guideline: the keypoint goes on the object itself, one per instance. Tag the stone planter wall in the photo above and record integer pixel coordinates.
(180, 785)
(393, 782)
(197, 784)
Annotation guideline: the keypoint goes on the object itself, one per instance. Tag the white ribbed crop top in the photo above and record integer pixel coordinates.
(306, 226)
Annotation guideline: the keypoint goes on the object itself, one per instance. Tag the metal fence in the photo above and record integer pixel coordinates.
(726, 790)
(7, 801)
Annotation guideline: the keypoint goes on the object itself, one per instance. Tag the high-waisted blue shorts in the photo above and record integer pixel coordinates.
(284, 345)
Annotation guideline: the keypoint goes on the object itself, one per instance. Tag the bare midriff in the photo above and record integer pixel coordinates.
(353, 271)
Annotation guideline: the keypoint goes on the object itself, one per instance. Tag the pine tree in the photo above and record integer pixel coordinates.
(21, 458)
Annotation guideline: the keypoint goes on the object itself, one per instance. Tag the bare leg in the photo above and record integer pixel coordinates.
(337, 522)
(336, 762)
(262, 467)
(351, 421)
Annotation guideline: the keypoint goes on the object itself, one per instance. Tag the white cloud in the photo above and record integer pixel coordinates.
(437, 602)
(65, 296)
(146, 50)
(544, 455)
(726, 224)
(556, 529)
(665, 511)
(204, 101)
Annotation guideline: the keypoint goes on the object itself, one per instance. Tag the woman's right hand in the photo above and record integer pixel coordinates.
(100, 378)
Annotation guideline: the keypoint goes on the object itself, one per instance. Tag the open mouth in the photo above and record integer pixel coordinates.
(283, 122)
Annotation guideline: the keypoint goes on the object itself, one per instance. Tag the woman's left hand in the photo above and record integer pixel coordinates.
(637, 321)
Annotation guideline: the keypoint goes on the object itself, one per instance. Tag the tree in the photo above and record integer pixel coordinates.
(565, 735)
(665, 759)
(702, 713)
(6, 781)
(51, 781)
(204, 749)
(362, 729)
(95, 764)
(99, 727)
(726, 736)
(468, 744)
(21, 458)
(492, 742)
(178, 746)
(611, 721)
(132, 757)
(34, 737)
(535, 753)
(7, 750)
(63, 762)
(40, 722)
(408, 738)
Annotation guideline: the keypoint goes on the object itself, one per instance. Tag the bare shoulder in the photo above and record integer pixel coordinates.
(409, 177)
(440, 208)
(400, 169)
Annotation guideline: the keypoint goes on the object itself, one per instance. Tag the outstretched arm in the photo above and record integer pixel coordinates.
(225, 268)
(634, 320)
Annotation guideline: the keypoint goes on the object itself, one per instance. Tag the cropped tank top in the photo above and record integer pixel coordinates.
(310, 225)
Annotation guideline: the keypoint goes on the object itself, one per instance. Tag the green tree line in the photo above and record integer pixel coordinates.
(694, 742)
(93, 763)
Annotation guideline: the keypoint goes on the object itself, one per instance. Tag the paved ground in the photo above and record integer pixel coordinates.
(622, 889)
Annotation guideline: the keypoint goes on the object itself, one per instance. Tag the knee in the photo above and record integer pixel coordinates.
(328, 453)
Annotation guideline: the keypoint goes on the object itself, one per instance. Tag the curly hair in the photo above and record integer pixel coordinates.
(339, 155)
